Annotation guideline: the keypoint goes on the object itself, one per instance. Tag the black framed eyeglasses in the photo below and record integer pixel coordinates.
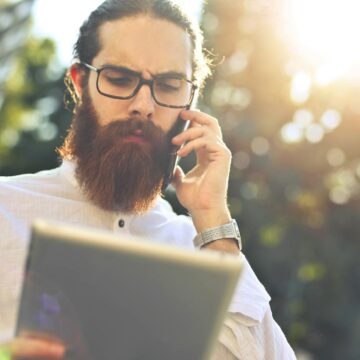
(170, 90)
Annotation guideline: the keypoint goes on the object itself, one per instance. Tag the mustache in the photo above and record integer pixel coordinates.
(130, 127)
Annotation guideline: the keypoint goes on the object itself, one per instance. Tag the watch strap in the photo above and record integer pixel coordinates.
(226, 231)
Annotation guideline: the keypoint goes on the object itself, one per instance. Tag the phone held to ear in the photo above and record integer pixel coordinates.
(180, 126)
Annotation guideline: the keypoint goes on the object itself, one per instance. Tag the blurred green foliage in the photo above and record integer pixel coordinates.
(297, 203)
(33, 119)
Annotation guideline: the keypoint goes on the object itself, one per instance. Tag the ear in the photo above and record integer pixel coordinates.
(76, 74)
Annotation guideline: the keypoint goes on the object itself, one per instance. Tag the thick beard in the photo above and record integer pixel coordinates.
(114, 174)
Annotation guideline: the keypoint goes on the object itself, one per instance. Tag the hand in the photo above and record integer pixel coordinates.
(203, 190)
(32, 348)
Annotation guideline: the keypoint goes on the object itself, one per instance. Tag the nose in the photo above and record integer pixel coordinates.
(142, 105)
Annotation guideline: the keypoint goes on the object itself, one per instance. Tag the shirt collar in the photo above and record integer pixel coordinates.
(67, 170)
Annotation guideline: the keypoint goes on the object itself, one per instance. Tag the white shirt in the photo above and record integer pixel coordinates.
(249, 331)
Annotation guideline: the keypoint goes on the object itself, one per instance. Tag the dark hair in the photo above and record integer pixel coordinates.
(87, 45)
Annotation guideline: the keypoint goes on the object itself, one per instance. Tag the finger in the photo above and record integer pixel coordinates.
(202, 119)
(189, 134)
(199, 143)
(28, 348)
(193, 124)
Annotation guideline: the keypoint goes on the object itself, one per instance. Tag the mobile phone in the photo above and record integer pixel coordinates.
(180, 126)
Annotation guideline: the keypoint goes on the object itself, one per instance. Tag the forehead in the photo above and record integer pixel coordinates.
(146, 44)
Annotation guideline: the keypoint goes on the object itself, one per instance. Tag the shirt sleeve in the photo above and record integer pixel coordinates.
(243, 338)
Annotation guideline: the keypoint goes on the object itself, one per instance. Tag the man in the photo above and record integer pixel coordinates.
(139, 65)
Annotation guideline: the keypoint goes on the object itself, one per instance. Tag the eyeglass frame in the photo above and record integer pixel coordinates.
(142, 82)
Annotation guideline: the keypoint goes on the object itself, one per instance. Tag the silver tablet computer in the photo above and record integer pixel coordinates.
(121, 298)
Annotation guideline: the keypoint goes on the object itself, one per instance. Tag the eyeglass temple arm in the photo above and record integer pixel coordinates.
(93, 68)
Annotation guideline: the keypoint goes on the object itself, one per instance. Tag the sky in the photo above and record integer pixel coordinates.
(61, 20)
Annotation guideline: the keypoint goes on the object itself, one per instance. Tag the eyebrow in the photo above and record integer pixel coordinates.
(175, 74)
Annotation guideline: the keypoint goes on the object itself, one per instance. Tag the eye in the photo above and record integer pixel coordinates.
(119, 78)
(168, 84)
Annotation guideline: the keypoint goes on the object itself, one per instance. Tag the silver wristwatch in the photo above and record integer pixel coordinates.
(226, 231)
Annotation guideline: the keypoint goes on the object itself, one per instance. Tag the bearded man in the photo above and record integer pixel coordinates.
(139, 66)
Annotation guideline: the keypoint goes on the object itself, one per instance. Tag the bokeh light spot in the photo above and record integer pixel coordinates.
(314, 133)
(30, 120)
(303, 117)
(241, 160)
(260, 146)
(47, 131)
(271, 236)
(300, 87)
(335, 157)
(292, 133)
(237, 62)
(240, 99)
(47, 105)
(221, 94)
(9, 137)
(311, 272)
(331, 119)
(339, 195)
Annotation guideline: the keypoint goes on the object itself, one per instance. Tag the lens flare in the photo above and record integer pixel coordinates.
(325, 33)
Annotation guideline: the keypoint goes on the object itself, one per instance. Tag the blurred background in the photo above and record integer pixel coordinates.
(286, 90)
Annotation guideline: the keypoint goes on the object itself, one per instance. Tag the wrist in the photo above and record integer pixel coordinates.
(224, 245)
(206, 219)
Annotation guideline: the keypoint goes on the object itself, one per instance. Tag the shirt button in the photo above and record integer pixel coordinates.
(121, 223)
